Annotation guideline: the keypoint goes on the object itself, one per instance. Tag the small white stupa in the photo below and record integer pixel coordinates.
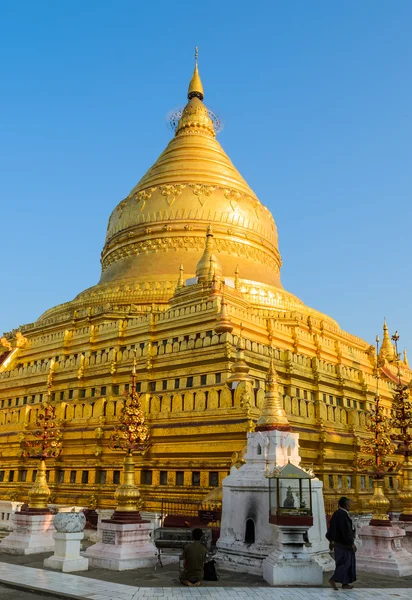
(246, 536)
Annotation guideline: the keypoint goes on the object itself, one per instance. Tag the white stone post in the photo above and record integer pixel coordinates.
(68, 536)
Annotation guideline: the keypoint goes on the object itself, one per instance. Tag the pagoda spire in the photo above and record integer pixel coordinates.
(208, 265)
(405, 359)
(223, 323)
(240, 369)
(195, 117)
(273, 415)
(195, 85)
(387, 351)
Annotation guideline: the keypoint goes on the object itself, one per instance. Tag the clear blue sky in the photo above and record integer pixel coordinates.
(316, 96)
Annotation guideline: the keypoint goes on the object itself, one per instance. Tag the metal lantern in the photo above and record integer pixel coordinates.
(290, 496)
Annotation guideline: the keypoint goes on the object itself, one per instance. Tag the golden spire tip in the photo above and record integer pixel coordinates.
(195, 85)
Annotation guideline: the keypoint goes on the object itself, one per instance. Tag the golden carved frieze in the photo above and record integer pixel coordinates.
(122, 216)
(268, 258)
(142, 196)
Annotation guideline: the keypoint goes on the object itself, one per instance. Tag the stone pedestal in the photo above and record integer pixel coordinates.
(7, 509)
(66, 555)
(246, 498)
(407, 540)
(290, 563)
(123, 546)
(32, 534)
(381, 551)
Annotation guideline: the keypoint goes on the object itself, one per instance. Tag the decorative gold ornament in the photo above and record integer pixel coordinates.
(379, 503)
(39, 494)
(5, 343)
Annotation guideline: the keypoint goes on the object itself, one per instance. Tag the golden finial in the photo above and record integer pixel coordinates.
(405, 359)
(195, 86)
(237, 277)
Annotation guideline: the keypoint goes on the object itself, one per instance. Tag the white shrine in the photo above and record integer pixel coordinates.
(247, 538)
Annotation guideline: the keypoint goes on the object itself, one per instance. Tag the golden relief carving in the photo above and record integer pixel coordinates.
(170, 192)
(233, 197)
(201, 190)
(143, 196)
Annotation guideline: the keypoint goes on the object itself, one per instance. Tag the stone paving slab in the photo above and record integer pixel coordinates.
(86, 588)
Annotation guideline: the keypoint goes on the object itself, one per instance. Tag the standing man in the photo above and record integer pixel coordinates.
(341, 536)
(194, 555)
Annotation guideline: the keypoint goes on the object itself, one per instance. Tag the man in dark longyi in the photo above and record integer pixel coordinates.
(341, 536)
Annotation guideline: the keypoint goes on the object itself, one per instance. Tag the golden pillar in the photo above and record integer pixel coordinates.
(127, 495)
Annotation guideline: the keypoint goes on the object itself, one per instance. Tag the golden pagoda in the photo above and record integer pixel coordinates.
(191, 285)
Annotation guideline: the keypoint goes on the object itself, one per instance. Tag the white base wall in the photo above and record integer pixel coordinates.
(123, 547)
(381, 552)
(32, 534)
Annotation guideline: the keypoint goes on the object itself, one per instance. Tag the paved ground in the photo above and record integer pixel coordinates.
(7, 593)
(168, 576)
(163, 584)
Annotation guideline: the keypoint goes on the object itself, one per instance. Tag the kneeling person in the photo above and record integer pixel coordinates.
(194, 555)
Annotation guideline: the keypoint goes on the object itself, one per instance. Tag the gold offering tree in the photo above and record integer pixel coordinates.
(45, 443)
(402, 423)
(379, 447)
(47, 437)
(130, 435)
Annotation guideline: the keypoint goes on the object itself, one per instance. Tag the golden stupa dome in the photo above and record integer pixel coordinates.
(163, 221)
(162, 224)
